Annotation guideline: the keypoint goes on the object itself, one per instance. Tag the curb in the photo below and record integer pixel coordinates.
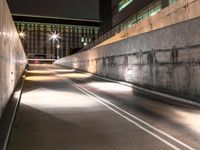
(171, 97)
(175, 98)
(13, 103)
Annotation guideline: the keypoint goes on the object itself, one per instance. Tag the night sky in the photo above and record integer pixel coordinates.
(78, 9)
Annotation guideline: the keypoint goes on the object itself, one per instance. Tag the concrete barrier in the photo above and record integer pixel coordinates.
(12, 57)
(165, 60)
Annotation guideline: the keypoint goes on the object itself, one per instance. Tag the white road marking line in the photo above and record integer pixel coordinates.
(96, 98)
(140, 120)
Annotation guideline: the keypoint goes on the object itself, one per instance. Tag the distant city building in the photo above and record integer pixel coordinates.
(54, 38)
(74, 35)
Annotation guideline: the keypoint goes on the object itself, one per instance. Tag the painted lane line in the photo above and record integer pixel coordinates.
(131, 115)
(135, 117)
(117, 112)
(133, 122)
(142, 121)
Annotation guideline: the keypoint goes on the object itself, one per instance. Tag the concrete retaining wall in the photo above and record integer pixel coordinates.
(12, 56)
(165, 60)
(180, 11)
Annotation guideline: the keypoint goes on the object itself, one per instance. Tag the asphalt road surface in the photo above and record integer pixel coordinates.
(64, 109)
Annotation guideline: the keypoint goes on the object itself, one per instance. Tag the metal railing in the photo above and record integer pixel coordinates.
(144, 13)
(37, 56)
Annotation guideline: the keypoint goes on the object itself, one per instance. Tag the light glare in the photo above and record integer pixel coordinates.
(58, 46)
(54, 36)
(110, 87)
(21, 34)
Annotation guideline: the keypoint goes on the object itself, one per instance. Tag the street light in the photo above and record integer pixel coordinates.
(58, 47)
(85, 43)
(22, 34)
(54, 37)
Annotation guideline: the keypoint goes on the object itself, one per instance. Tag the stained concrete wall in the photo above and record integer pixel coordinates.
(165, 60)
(12, 56)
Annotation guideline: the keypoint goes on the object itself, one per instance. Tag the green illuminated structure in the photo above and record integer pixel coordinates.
(124, 3)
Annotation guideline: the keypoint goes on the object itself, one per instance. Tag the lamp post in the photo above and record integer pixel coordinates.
(58, 47)
(54, 37)
(22, 35)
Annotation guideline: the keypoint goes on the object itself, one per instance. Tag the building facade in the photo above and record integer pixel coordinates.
(105, 15)
(126, 13)
(37, 35)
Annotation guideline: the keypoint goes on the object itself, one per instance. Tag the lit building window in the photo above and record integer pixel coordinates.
(124, 3)
(82, 39)
(150, 10)
(172, 1)
(35, 38)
